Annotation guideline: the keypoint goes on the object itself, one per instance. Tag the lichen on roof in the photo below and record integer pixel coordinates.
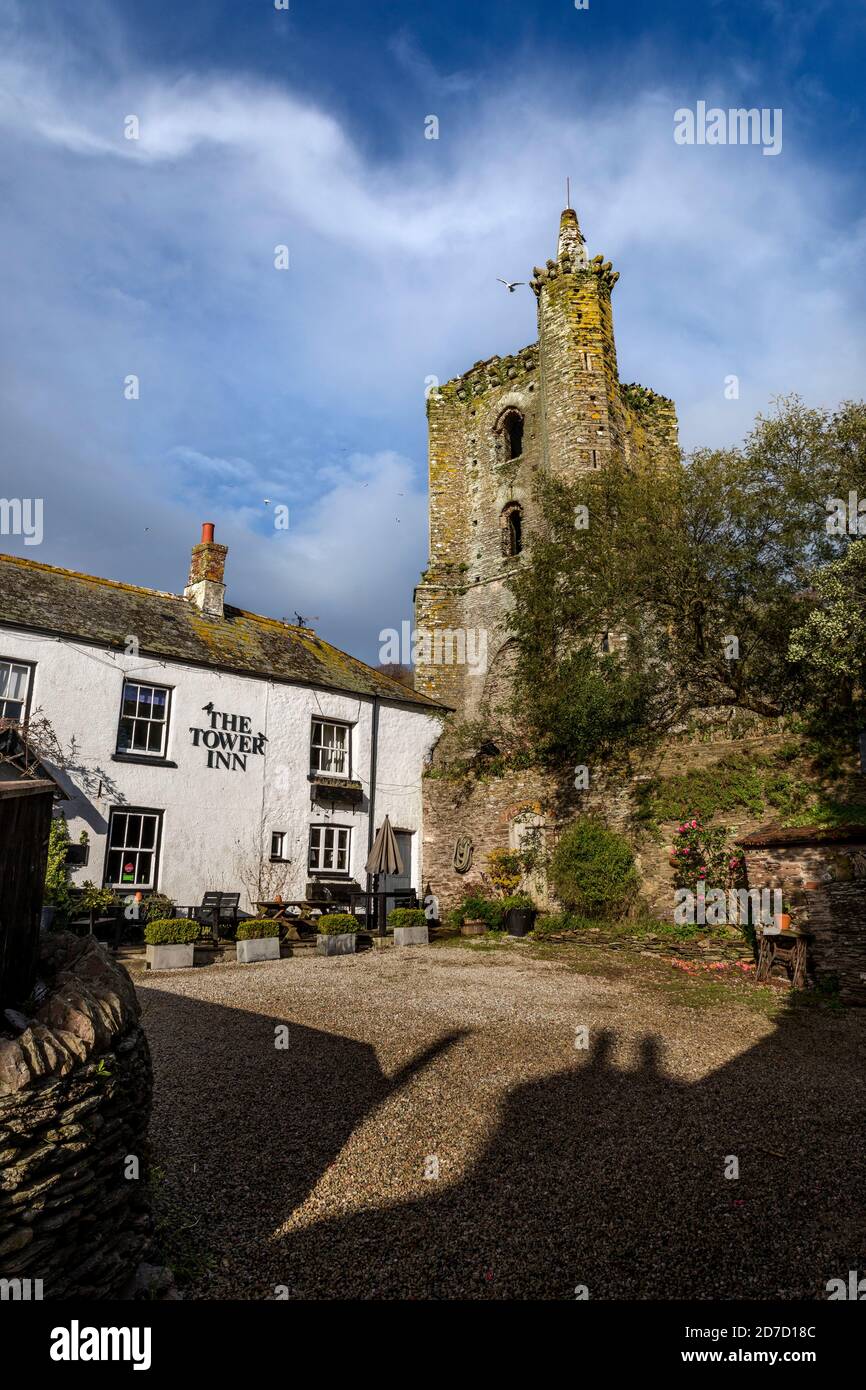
(85, 608)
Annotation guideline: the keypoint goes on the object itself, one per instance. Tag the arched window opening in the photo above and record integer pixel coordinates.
(512, 434)
(512, 529)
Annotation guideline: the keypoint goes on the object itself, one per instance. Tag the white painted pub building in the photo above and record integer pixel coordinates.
(197, 741)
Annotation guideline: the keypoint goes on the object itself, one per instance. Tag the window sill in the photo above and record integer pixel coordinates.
(142, 760)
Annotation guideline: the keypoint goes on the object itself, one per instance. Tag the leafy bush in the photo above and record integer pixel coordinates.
(560, 924)
(171, 931)
(519, 902)
(406, 917)
(57, 892)
(592, 870)
(95, 899)
(155, 906)
(475, 907)
(336, 923)
(257, 929)
(504, 869)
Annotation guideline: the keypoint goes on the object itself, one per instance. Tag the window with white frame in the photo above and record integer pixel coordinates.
(329, 848)
(14, 687)
(133, 847)
(278, 844)
(329, 748)
(143, 720)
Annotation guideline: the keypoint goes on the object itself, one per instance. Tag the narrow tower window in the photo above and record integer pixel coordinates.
(512, 434)
(512, 529)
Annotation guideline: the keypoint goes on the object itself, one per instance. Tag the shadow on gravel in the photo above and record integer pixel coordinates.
(614, 1180)
(599, 1176)
(240, 1123)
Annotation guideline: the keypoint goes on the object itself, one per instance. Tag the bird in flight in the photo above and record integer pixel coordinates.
(510, 285)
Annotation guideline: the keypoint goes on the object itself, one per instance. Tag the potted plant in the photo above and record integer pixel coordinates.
(258, 940)
(520, 913)
(97, 901)
(477, 914)
(338, 932)
(409, 925)
(156, 907)
(170, 943)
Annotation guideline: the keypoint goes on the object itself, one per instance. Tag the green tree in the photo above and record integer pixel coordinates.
(683, 590)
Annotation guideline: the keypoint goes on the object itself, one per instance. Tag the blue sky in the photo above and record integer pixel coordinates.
(261, 127)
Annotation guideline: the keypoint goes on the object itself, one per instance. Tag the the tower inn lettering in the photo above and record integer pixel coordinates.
(229, 740)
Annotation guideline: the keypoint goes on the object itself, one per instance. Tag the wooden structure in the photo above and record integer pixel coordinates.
(27, 792)
(25, 823)
(788, 949)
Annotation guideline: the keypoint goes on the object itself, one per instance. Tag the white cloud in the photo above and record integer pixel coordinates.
(156, 257)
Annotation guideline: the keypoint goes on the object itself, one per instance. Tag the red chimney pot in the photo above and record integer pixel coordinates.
(207, 532)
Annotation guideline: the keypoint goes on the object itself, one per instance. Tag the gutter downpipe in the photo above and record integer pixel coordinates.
(371, 810)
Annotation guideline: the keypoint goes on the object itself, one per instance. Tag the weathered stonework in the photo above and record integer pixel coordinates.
(75, 1094)
(822, 875)
(576, 417)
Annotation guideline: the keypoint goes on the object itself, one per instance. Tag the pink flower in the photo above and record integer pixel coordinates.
(694, 825)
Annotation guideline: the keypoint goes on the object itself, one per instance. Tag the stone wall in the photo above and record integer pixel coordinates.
(822, 875)
(486, 810)
(75, 1094)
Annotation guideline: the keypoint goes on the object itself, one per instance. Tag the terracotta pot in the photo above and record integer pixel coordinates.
(783, 921)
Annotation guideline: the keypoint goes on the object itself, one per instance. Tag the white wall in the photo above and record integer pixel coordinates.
(211, 815)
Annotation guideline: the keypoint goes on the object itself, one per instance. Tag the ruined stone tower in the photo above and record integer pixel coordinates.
(557, 405)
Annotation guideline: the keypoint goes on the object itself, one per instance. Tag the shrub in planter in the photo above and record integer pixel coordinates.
(592, 870)
(336, 923)
(519, 910)
(257, 929)
(258, 939)
(407, 917)
(171, 943)
(338, 932)
(409, 925)
(171, 931)
(504, 869)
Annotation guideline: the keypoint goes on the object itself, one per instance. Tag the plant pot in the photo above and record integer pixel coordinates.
(783, 921)
(520, 920)
(341, 945)
(474, 927)
(176, 957)
(412, 936)
(258, 948)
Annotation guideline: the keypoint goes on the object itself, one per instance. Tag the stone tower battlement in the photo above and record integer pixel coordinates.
(556, 406)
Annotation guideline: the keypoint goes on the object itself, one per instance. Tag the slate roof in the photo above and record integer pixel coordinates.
(104, 611)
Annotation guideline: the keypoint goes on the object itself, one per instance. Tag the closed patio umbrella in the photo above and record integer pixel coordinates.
(384, 858)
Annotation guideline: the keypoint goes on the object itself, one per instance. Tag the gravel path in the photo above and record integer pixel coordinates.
(302, 1169)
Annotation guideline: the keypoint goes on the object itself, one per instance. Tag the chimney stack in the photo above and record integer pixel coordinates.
(205, 587)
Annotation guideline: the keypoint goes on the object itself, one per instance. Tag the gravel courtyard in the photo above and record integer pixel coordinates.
(310, 1170)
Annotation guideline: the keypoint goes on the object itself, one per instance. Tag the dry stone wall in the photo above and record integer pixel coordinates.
(75, 1095)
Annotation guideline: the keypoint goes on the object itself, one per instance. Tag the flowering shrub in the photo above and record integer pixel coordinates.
(701, 855)
(504, 870)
